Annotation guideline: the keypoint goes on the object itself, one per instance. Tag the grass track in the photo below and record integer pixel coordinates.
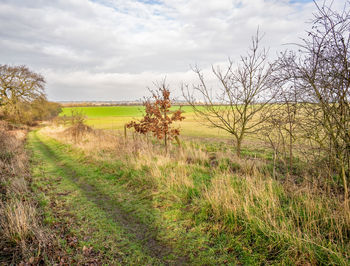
(121, 226)
(113, 230)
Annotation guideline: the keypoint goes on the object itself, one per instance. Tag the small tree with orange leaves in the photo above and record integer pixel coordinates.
(158, 118)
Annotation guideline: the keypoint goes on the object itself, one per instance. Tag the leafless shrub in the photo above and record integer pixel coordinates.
(320, 73)
(245, 92)
(77, 128)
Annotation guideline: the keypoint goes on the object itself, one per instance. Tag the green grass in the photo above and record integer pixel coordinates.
(96, 194)
(115, 117)
(115, 111)
(98, 188)
(83, 195)
(104, 111)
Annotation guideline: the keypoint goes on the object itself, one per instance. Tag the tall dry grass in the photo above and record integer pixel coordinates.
(21, 235)
(301, 220)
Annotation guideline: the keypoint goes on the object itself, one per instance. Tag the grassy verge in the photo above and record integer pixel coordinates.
(22, 236)
(197, 207)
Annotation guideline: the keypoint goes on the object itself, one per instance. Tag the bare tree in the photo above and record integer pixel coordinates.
(19, 84)
(243, 94)
(274, 135)
(321, 72)
(281, 127)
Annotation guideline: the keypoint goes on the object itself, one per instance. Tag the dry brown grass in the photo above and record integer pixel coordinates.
(114, 146)
(20, 227)
(21, 235)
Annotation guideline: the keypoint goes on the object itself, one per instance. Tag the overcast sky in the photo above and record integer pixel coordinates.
(114, 49)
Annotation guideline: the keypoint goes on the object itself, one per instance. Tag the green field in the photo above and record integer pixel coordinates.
(115, 117)
(106, 111)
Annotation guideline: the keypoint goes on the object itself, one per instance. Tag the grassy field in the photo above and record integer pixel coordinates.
(127, 202)
(115, 117)
(103, 199)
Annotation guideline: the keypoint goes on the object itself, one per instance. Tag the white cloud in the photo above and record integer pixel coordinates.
(114, 49)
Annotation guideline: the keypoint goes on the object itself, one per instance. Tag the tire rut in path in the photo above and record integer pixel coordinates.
(132, 226)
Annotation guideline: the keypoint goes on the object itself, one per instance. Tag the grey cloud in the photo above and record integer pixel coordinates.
(113, 49)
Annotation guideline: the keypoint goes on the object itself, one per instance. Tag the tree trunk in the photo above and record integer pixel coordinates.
(165, 136)
(238, 147)
(290, 150)
(178, 141)
(274, 163)
(346, 193)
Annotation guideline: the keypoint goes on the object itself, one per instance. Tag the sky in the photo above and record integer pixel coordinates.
(114, 49)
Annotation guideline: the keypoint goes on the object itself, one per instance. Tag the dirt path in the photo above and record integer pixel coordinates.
(77, 188)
